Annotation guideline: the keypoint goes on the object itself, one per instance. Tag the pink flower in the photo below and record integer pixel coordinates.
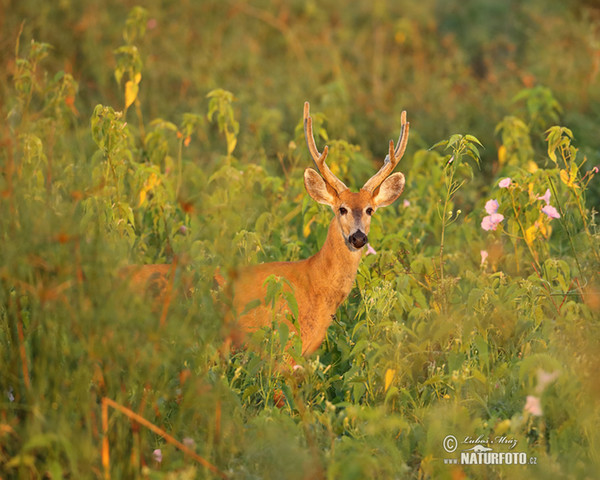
(490, 222)
(157, 454)
(545, 379)
(548, 209)
(545, 197)
(551, 211)
(370, 250)
(406, 203)
(533, 406)
(595, 169)
(505, 182)
(484, 256)
(491, 206)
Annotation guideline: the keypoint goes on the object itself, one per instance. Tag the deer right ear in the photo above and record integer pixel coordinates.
(318, 189)
(389, 190)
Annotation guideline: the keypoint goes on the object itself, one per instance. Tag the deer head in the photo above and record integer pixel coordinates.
(353, 211)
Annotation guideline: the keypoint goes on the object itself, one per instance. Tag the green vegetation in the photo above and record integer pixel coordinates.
(173, 133)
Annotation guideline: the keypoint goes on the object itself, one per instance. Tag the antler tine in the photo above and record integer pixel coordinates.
(403, 138)
(319, 158)
(392, 158)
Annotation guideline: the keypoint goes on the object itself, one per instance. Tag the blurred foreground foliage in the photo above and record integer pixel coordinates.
(172, 133)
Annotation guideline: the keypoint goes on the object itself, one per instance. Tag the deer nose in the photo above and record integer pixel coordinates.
(358, 239)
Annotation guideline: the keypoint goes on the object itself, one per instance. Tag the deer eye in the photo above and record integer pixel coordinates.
(343, 211)
(370, 211)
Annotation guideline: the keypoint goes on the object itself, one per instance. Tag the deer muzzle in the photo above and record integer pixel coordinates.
(358, 239)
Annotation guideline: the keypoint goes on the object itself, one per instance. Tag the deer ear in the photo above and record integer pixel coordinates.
(390, 189)
(318, 189)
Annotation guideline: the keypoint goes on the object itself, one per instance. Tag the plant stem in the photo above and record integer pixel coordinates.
(449, 192)
(138, 111)
(518, 219)
(179, 167)
(585, 224)
(443, 235)
(561, 219)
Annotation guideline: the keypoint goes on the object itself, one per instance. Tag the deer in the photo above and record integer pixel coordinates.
(322, 282)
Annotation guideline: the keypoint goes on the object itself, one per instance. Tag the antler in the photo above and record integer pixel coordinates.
(392, 158)
(319, 158)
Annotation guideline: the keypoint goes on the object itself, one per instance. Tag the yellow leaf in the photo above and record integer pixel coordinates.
(530, 234)
(545, 228)
(569, 178)
(502, 427)
(137, 78)
(502, 155)
(306, 230)
(426, 466)
(532, 166)
(564, 176)
(530, 190)
(231, 141)
(131, 91)
(389, 378)
(152, 181)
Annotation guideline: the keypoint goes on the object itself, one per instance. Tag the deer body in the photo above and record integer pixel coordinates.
(322, 282)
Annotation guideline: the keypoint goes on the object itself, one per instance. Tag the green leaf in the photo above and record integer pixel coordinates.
(358, 390)
(42, 441)
(392, 392)
(483, 351)
(439, 144)
(532, 364)
(290, 298)
(360, 346)
(473, 139)
(454, 139)
(249, 391)
(21, 460)
(250, 306)
(263, 223)
(253, 367)
(284, 332)
(160, 124)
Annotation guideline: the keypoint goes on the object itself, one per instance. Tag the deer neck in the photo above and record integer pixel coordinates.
(334, 267)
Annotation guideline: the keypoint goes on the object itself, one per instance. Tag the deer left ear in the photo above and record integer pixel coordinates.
(318, 189)
(390, 189)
